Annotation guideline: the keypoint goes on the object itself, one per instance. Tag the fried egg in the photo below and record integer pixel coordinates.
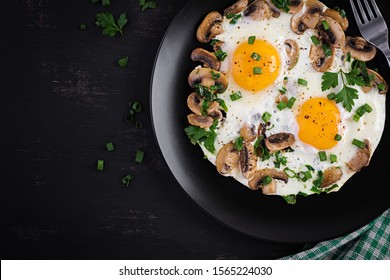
(283, 131)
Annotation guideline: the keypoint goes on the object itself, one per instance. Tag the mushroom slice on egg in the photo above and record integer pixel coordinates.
(248, 160)
(256, 182)
(210, 27)
(361, 158)
(201, 121)
(336, 15)
(279, 141)
(236, 8)
(377, 82)
(331, 176)
(307, 18)
(292, 51)
(359, 48)
(213, 110)
(258, 10)
(331, 32)
(248, 132)
(227, 159)
(274, 10)
(208, 77)
(319, 61)
(207, 58)
(295, 6)
(195, 102)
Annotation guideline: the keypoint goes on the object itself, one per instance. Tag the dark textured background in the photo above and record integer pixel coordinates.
(64, 97)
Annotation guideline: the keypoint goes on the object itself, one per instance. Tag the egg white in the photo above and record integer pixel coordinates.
(249, 109)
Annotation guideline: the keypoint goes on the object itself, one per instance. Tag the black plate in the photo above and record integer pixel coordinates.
(314, 218)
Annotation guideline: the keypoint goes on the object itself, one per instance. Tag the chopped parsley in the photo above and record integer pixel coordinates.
(282, 4)
(144, 4)
(290, 199)
(200, 135)
(233, 18)
(126, 179)
(122, 62)
(221, 55)
(239, 143)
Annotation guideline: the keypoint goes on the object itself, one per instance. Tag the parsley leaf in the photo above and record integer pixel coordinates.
(147, 5)
(106, 3)
(107, 22)
(122, 62)
(346, 96)
(200, 135)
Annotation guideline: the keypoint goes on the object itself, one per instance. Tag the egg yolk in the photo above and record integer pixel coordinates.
(255, 66)
(318, 122)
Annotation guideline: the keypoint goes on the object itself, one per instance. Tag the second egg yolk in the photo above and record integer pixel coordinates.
(262, 57)
(318, 122)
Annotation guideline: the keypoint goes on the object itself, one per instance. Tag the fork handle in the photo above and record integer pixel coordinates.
(386, 51)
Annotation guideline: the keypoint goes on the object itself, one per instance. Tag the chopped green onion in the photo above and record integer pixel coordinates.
(358, 143)
(327, 50)
(216, 87)
(266, 117)
(267, 180)
(322, 156)
(129, 117)
(338, 137)
(105, 3)
(333, 158)
(136, 106)
(233, 17)
(315, 40)
(126, 179)
(281, 105)
(290, 199)
(348, 59)
(139, 156)
(256, 56)
(283, 90)
(257, 71)
(303, 194)
(291, 102)
(356, 117)
(320, 179)
(221, 55)
(222, 104)
(305, 175)
(110, 146)
(381, 87)
(368, 108)
(325, 24)
(83, 27)
(251, 40)
(332, 96)
(335, 186)
(214, 41)
(122, 62)
(310, 168)
(302, 82)
(239, 143)
(214, 75)
(290, 173)
(100, 165)
(235, 96)
(138, 125)
(285, 79)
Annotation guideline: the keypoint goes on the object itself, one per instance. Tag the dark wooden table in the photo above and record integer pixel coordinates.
(63, 98)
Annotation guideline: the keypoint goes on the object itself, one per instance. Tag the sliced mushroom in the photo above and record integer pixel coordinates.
(292, 51)
(248, 132)
(213, 110)
(359, 48)
(236, 8)
(331, 176)
(210, 27)
(227, 159)
(361, 158)
(256, 182)
(207, 58)
(331, 32)
(201, 121)
(248, 160)
(274, 10)
(262, 130)
(307, 17)
(295, 6)
(195, 102)
(279, 141)
(319, 61)
(378, 80)
(258, 10)
(208, 77)
(335, 14)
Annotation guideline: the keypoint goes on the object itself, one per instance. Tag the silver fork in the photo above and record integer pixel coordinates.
(372, 25)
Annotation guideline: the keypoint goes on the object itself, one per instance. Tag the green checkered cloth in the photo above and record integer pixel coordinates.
(371, 242)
